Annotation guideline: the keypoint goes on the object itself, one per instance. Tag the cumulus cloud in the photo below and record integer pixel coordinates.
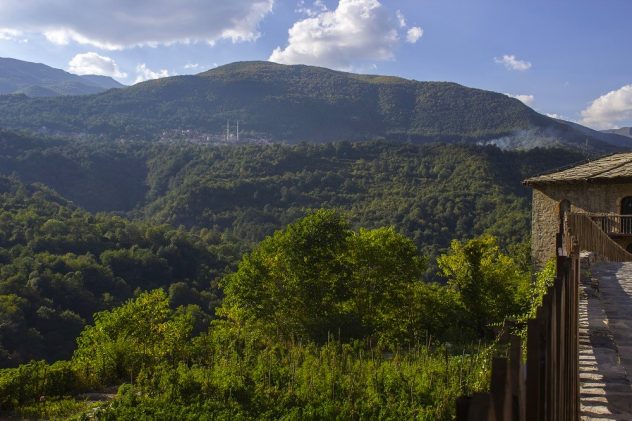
(356, 30)
(144, 73)
(413, 34)
(512, 63)
(117, 24)
(609, 110)
(526, 99)
(94, 64)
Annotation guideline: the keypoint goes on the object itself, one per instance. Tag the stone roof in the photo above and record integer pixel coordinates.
(611, 168)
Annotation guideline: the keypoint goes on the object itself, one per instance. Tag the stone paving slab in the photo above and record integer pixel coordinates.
(605, 337)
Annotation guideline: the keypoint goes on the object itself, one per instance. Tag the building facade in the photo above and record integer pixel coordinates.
(601, 188)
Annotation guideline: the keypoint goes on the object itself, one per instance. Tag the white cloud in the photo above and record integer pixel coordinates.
(413, 34)
(191, 66)
(12, 35)
(401, 19)
(317, 7)
(512, 63)
(118, 24)
(357, 30)
(526, 99)
(94, 64)
(66, 36)
(609, 110)
(555, 115)
(144, 73)
(9, 34)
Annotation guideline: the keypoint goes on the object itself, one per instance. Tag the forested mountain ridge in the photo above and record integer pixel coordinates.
(298, 103)
(40, 80)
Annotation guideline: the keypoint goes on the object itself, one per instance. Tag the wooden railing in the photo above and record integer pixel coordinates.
(592, 232)
(545, 387)
(613, 224)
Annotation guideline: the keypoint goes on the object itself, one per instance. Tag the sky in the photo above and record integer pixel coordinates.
(569, 59)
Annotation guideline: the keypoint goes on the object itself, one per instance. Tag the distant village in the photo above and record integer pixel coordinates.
(206, 138)
(231, 136)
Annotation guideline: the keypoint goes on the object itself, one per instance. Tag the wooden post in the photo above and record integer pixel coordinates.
(501, 389)
(535, 368)
(462, 408)
(481, 408)
(560, 368)
(517, 379)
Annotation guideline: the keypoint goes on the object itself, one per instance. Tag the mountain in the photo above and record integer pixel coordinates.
(623, 131)
(40, 80)
(104, 82)
(299, 103)
(611, 137)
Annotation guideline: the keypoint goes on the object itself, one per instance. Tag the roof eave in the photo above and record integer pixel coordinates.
(615, 180)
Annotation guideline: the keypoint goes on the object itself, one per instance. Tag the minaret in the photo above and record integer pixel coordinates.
(227, 130)
(237, 130)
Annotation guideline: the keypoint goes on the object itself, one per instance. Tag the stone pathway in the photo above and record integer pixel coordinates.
(605, 343)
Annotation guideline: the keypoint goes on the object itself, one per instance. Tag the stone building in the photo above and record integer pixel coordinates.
(601, 188)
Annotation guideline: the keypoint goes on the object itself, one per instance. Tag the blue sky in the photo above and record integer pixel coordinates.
(569, 58)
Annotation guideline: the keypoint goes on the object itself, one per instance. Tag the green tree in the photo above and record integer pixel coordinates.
(386, 279)
(490, 285)
(319, 277)
(141, 333)
(296, 281)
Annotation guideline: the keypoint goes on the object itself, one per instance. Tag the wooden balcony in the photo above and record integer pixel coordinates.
(612, 224)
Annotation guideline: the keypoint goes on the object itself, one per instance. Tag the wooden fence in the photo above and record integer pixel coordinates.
(546, 385)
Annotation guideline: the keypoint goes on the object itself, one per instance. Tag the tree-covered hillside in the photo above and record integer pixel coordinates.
(359, 280)
(293, 104)
(433, 193)
(60, 264)
(96, 176)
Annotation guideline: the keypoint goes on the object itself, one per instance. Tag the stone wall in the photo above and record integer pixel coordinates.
(583, 197)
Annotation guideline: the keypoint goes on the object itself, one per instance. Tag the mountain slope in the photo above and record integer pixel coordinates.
(104, 82)
(612, 137)
(297, 103)
(623, 131)
(39, 80)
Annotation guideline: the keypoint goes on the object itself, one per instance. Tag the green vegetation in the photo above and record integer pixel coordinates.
(484, 278)
(351, 280)
(61, 264)
(241, 374)
(332, 329)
